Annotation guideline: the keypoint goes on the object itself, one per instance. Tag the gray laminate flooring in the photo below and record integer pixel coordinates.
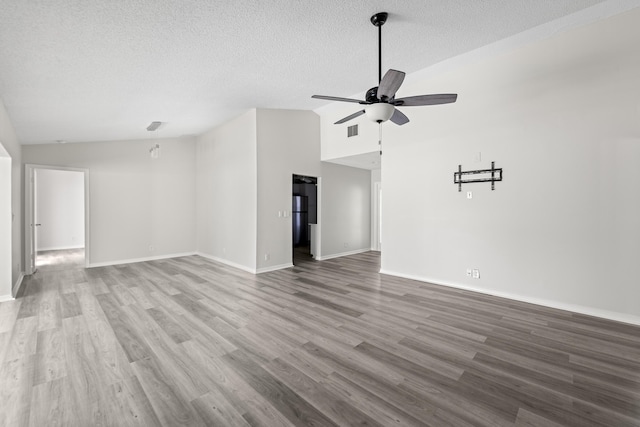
(188, 341)
(64, 259)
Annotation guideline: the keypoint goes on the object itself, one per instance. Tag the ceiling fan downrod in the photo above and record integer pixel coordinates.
(378, 20)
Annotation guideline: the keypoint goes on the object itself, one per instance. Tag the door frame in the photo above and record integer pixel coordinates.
(29, 214)
(318, 233)
(376, 232)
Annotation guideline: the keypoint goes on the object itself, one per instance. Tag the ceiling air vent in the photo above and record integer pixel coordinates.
(153, 126)
(352, 131)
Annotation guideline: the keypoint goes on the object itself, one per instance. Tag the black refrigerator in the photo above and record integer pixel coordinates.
(300, 219)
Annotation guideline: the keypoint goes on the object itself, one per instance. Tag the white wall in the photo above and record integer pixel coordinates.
(227, 192)
(345, 210)
(562, 117)
(245, 169)
(288, 143)
(5, 224)
(59, 209)
(140, 208)
(12, 149)
(334, 141)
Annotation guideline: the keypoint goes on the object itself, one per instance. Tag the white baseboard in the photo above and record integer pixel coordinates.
(227, 262)
(132, 260)
(274, 268)
(244, 267)
(341, 254)
(589, 311)
(5, 298)
(60, 248)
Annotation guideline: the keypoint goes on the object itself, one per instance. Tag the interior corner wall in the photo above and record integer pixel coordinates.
(345, 210)
(376, 178)
(226, 182)
(9, 141)
(140, 208)
(288, 143)
(59, 207)
(562, 118)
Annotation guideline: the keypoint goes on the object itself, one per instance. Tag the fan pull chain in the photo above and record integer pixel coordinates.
(380, 136)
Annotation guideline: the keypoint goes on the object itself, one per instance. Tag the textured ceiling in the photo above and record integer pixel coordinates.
(96, 70)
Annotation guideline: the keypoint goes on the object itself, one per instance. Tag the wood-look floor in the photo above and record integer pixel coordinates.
(64, 259)
(191, 342)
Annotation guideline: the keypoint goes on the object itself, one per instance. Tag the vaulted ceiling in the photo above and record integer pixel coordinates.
(98, 70)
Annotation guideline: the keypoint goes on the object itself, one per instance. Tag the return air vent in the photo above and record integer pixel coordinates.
(352, 131)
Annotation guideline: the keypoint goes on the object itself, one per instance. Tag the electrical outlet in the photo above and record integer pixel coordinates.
(469, 272)
(476, 274)
(469, 195)
(151, 248)
(267, 257)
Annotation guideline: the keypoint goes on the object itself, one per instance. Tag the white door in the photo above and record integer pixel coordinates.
(30, 219)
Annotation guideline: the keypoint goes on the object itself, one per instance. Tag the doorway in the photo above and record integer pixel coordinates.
(304, 218)
(56, 206)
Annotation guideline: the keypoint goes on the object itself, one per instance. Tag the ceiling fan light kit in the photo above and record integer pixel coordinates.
(380, 101)
(379, 112)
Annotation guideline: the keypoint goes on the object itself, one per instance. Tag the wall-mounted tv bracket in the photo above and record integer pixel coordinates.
(496, 175)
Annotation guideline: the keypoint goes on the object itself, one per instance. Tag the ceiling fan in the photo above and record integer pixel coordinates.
(380, 101)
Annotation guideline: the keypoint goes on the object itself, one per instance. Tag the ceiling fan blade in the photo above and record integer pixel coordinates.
(399, 118)
(390, 84)
(437, 99)
(337, 98)
(352, 116)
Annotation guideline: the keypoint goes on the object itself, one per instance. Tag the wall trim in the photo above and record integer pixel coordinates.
(341, 254)
(579, 309)
(5, 298)
(16, 286)
(61, 248)
(133, 260)
(244, 267)
(227, 262)
(274, 268)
